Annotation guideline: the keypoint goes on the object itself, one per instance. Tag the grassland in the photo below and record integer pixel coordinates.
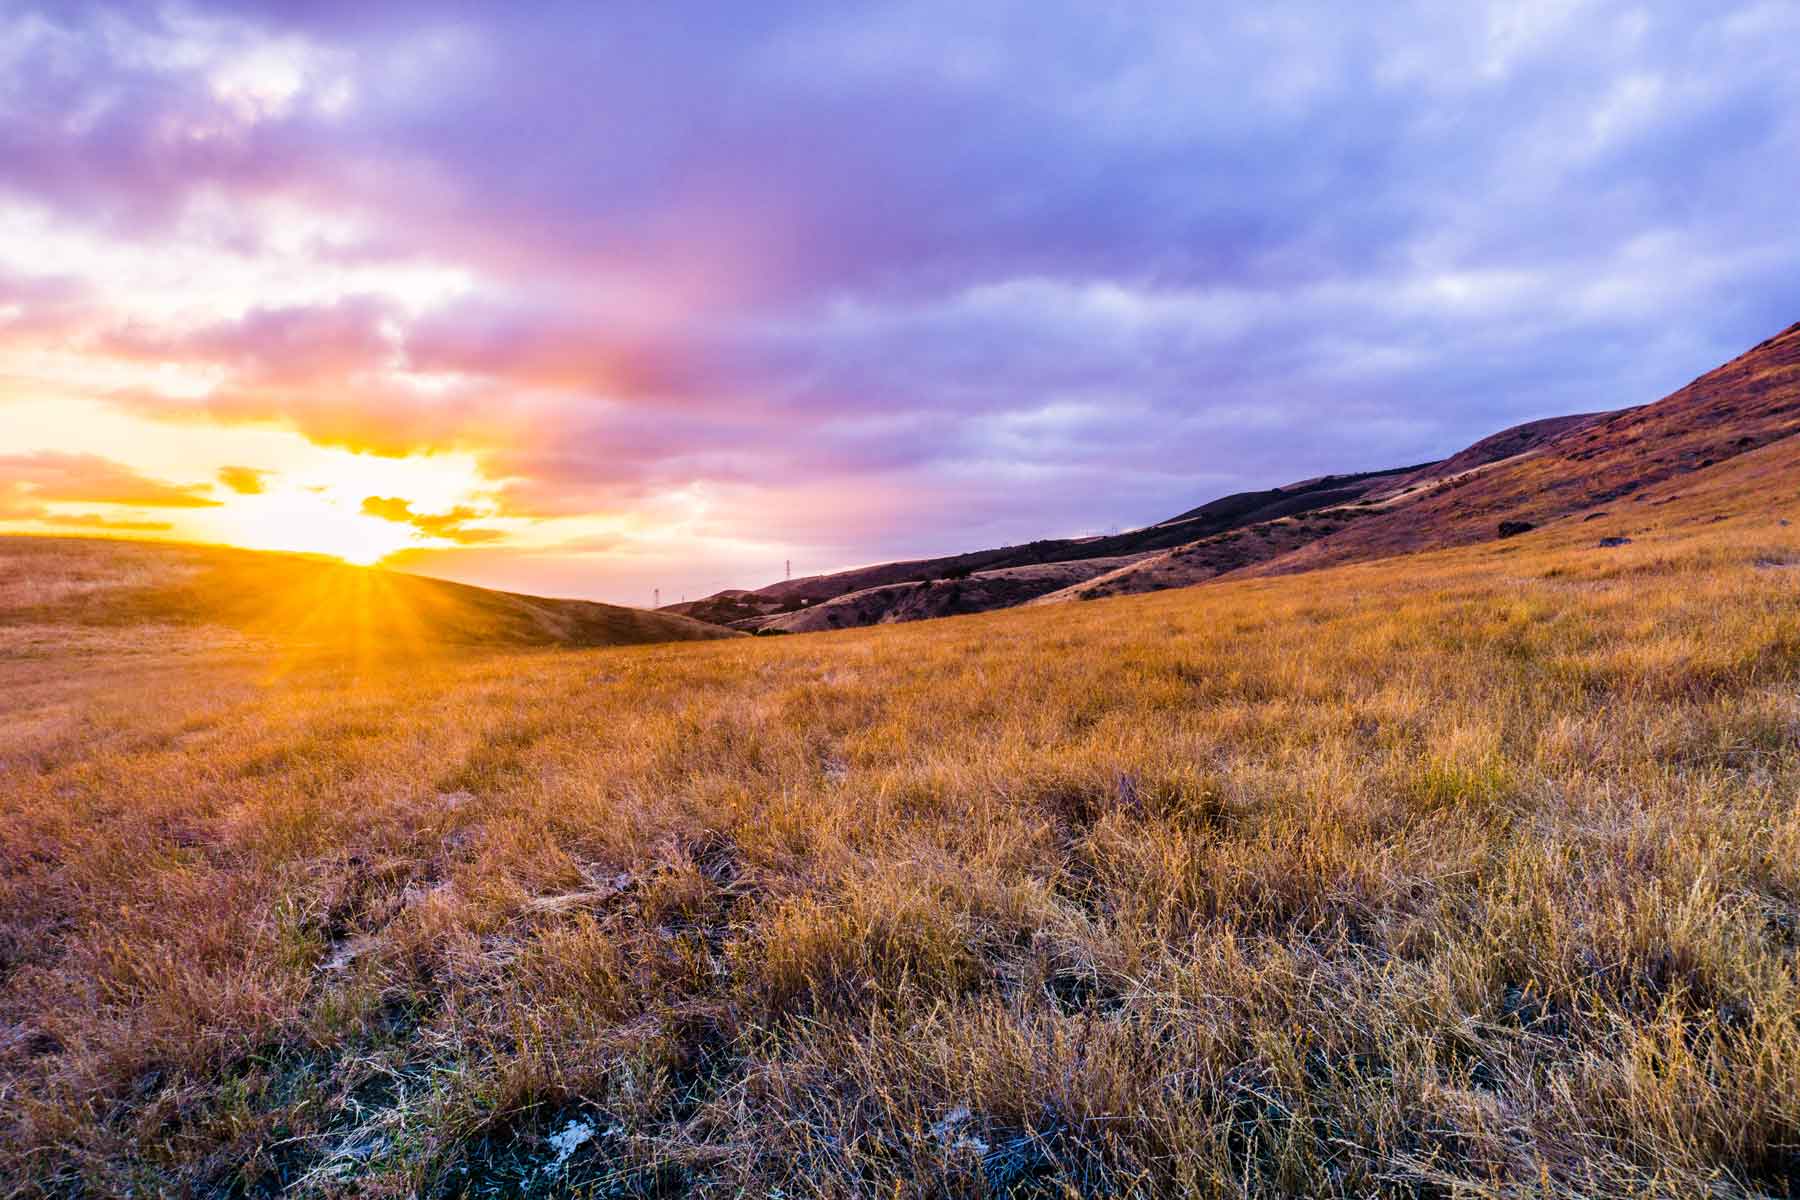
(73, 597)
(1466, 874)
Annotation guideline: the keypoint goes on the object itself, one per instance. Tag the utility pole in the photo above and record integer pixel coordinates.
(788, 569)
(655, 597)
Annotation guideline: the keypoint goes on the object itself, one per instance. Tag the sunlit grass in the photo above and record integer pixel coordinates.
(1472, 874)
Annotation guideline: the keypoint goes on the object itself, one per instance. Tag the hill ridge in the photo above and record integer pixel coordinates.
(73, 588)
(1528, 473)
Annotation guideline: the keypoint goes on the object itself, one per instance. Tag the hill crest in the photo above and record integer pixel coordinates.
(1529, 474)
(61, 590)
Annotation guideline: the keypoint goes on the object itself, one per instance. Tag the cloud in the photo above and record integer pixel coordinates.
(245, 481)
(89, 479)
(96, 521)
(890, 279)
(452, 526)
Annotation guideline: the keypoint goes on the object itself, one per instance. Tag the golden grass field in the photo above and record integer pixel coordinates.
(1469, 874)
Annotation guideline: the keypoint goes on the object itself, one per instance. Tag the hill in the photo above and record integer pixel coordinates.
(1508, 443)
(1222, 535)
(1526, 476)
(919, 599)
(1418, 876)
(58, 594)
(1273, 535)
(1636, 457)
(1082, 557)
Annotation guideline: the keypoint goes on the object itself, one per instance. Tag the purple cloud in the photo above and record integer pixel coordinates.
(904, 278)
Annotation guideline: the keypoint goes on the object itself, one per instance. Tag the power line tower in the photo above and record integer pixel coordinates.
(655, 597)
(788, 568)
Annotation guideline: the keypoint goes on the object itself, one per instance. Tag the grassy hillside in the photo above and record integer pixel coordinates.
(1007, 567)
(62, 595)
(1575, 468)
(1624, 461)
(1471, 873)
(1547, 470)
(923, 599)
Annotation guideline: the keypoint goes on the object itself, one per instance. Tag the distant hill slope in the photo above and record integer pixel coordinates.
(1529, 474)
(1222, 535)
(1249, 508)
(1496, 447)
(770, 606)
(1279, 535)
(982, 591)
(1209, 557)
(54, 590)
(1614, 460)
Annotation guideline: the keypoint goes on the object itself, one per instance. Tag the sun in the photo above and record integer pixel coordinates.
(364, 556)
(313, 523)
(317, 505)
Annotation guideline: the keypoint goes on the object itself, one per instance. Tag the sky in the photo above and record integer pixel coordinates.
(595, 299)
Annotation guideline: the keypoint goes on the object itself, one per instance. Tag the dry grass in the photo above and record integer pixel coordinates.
(1475, 874)
(112, 597)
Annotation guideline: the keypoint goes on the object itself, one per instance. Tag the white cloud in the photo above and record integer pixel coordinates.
(223, 259)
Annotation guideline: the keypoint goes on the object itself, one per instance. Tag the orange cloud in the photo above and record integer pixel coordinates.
(48, 475)
(452, 526)
(96, 521)
(245, 481)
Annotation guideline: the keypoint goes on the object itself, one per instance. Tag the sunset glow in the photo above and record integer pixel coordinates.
(839, 294)
(322, 507)
(904, 598)
(303, 520)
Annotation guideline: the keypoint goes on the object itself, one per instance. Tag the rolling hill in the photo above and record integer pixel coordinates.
(919, 599)
(1083, 556)
(1460, 860)
(57, 594)
(1415, 876)
(1559, 468)
(1635, 458)
(1276, 535)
